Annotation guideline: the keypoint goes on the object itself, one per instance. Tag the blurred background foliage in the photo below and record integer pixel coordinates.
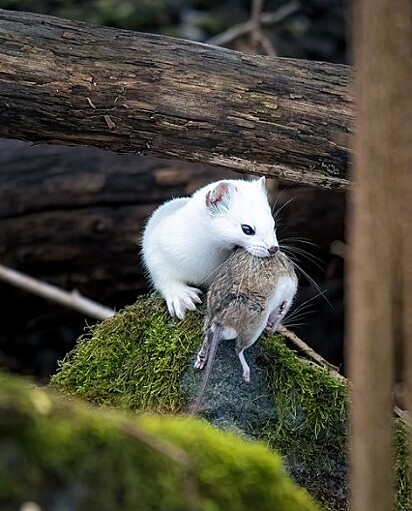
(316, 31)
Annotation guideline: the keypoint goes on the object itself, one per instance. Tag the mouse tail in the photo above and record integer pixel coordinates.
(213, 340)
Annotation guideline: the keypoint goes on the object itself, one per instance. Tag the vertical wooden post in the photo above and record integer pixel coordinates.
(382, 55)
(405, 217)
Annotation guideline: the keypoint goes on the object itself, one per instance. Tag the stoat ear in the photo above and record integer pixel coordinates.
(219, 197)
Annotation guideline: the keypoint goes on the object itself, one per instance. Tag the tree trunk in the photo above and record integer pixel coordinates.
(382, 168)
(71, 83)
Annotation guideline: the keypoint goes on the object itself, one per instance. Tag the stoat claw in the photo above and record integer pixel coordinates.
(183, 301)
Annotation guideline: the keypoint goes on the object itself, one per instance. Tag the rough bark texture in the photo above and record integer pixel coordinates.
(381, 174)
(72, 83)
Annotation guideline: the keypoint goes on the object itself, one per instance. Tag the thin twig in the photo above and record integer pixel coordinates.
(311, 354)
(73, 299)
(256, 32)
(339, 248)
(267, 45)
(403, 415)
(266, 19)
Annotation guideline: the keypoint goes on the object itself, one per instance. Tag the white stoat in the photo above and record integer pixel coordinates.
(187, 239)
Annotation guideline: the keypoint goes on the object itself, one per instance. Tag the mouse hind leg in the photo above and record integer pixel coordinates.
(201, 358)
(241, 345)
(211, 332)
(276, 316)
(245, 366)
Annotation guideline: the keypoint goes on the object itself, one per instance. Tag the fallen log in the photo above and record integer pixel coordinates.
(71, 83)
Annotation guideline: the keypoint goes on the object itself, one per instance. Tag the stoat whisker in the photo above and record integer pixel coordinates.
(312, 282)
(303, 250)
(295, 250)
(292, 325)
(303, 310)
(280, 194)
(307, 303)
(276, 212)
(301, 240)
(301, 315)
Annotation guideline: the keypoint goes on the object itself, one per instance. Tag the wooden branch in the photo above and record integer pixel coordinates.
(72, 83)
(69, 299)
(311, 354)
(266, 19)
(256, 32)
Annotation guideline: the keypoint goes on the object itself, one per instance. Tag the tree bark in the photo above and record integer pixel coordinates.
(72, 83)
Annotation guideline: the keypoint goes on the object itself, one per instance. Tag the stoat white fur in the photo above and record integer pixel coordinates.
(187, 239)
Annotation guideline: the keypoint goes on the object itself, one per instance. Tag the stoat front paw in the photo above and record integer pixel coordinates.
(183, 300)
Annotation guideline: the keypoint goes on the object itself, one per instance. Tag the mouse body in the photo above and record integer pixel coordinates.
(249, 295)
(187, 239)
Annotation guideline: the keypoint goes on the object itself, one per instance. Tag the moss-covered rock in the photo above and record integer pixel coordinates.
(134, 360)
(62, 454)
(140, 360)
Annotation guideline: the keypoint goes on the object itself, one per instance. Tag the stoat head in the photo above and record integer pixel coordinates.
(241, 216)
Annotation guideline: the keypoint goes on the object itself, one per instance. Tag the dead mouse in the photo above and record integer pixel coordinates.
(249, 294)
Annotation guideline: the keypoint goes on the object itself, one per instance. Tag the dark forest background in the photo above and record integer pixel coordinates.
(34, 334)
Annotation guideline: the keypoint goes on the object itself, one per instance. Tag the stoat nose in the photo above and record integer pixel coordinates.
(273, 250)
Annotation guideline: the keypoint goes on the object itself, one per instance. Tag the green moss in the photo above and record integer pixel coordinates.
(310, 403)
(63, 454)
(402, 470)
(310, 426)
(134, 360)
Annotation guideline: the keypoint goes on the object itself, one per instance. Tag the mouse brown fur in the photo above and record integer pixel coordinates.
(248, 295)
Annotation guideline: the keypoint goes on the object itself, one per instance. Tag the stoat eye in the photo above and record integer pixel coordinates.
(249, 231)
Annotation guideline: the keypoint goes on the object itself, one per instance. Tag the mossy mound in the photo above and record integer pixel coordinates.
(403, 486)
(62, 454)
(140, 360)
(134, 360)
